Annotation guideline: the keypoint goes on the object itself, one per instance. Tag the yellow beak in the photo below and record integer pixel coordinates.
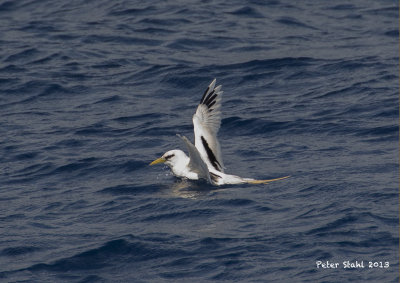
(157, 161)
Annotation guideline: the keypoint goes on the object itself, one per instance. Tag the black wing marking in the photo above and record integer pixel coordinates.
(206, 122)
(210, 99)
(211, 155)
(215, 177)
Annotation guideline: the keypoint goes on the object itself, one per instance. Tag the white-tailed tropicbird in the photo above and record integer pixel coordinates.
(205, 161)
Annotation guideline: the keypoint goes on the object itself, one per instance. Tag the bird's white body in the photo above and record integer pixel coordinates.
(205, 159)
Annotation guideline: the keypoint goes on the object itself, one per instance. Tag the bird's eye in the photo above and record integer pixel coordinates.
(169, 156)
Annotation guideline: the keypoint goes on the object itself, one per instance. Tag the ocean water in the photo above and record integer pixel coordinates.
(93, 91)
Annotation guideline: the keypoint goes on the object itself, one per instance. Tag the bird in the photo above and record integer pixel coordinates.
(205, 159)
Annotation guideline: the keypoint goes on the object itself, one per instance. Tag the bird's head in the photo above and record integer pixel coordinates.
(171, 158)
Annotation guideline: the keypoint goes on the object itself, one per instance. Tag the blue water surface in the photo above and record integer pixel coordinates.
(93, 91)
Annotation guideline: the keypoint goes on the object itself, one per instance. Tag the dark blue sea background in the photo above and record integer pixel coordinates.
(93, 91)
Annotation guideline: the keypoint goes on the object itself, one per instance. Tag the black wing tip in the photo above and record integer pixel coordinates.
(209, 98)
(211, 105)
(204, 95)
(209, 91)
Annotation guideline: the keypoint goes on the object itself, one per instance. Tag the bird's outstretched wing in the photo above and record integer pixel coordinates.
(196, 163)
(206, 122)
